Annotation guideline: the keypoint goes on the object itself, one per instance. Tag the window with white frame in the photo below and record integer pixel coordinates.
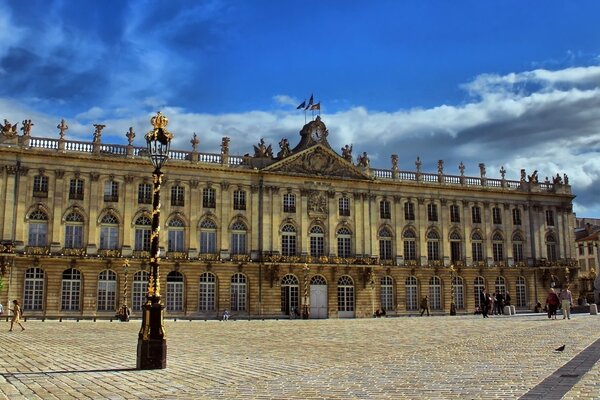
(288, 240)
(76, 189)
(71, 290)
(459, 292)
(139, 290)
(238, 292)
(176, 235)
(344, 242)
(74, 231)
(498, 247)
(208, 292)
(433, 246)
(500, 284)
(209, 198)
(345, 294)
(33, 293)
(317, 241)
(38, 228)
(107, 291)
(344, 206)
(521, 293)
(409, 211)
(435, 293)
(143, 228)
(109, 232)
(208, 237)
(476, 247)
(40, 186)
(454, 213)
(177, 196)
(412, 302)
(238, 238)
(432, 214)
(476, 215)
(145, 193)
(385, 244)
(289, 203)
(175, 293)
(239, 199)
(387, 293)
(410, 245)
(516, 213)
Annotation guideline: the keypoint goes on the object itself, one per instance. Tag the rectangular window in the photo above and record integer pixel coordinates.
(516, 216)
(145, 193)
(344, 207)
(549, 217)
(176, 238)
(343, 247)
(73, 236)
(410, 250)
(409, 211)
(590, 246)
(239, 200)
(385, 249)
(476, 215)
(208, 242)
(384, 209)
(518, 252)
(111, 191)
(76, 189)
(317, 246)
(432, 215)
(238, 243)
(498, 249)
(581, 249)
(109, 236)
(477, 250)
(289, 203)
(209, 198)
(433, 250)
(497, 215)
(177, 196)
(454, 213)
(142, 239)
(40, 186)
(455, 253)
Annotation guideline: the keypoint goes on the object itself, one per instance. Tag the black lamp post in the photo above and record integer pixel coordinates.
(152, 342)
(452, 293)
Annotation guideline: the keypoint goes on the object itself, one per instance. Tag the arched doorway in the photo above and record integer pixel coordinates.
(318, 297)
(289, 295)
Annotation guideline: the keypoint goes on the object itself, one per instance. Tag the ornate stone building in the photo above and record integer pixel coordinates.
(305, 229)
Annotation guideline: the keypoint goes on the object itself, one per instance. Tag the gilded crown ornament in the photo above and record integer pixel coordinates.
(160, 133)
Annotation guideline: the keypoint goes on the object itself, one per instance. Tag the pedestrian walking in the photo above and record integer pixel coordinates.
(16, 317)
(425, 305)
(484, 299)
(552, 303)
(566, 300)
(499, 303)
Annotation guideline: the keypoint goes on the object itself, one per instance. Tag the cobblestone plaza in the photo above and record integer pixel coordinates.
(463, 357)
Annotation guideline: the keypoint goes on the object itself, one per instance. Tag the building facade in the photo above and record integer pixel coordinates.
(268, 235)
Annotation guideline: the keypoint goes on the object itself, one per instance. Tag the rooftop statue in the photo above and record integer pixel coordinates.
(8, 129)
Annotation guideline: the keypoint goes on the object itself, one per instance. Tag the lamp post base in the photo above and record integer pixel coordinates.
(152, 343)
(305, 312)
(452, 309)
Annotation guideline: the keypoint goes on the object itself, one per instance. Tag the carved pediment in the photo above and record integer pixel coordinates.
(320, 161)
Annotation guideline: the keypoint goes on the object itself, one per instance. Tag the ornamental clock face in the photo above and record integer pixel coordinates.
(316, 134)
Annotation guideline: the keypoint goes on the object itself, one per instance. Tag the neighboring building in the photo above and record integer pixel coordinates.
(263, 235)
(587, 233)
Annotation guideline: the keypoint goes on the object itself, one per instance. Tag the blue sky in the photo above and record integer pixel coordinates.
(507, 83)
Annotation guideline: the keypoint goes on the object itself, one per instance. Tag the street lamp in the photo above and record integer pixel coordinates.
(306, 300)
(152, 342)
(452, 295)
(372, 284)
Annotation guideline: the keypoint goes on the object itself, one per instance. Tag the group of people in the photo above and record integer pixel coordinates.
(17, 313)
(564, 299)
(493, 303)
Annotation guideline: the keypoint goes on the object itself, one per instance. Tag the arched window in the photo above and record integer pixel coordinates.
(501, 285)
(435, 293)
(517, 241)
(476, 247)
(288, 240)
(139, 290)
(459, 292)
(143, 227)
(478, 286)
(318, 280)
(455, 247)
(412, 302)
(387, 293)
(38, 228)
(176, 235)
(317, 241)
(74, 231)
(71, 290)
(33, 294)
(433, 246)
(551, 247)
(289, 295)
(345, 294)
(107, 291)
(109, 232)
(238, 292)
(521, 292)
(498, 247)
(344, 242)
(410, 245)
(208, 237)
(238, 238)
(175, 291)
(208, 286)
(385, 244)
